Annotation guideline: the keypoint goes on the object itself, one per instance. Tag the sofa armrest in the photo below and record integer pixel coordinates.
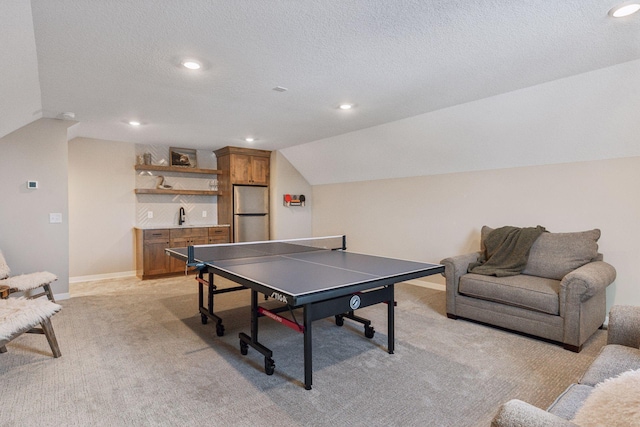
(624, 326)
(516, 413)
(586, 281)
(456, 266)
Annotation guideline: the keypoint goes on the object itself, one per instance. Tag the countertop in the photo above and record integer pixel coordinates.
(165, 226)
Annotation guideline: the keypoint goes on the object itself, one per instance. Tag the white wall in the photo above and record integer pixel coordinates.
(102, 208)
(29, 242)
(432, 217)
(288, 222)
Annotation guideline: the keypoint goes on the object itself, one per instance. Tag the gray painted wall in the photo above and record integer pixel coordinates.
(29, 242)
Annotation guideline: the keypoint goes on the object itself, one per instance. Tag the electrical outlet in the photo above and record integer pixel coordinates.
(55, 218)
(204, 214)
(149, 214)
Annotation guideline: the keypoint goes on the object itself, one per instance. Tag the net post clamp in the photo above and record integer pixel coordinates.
(191, 260)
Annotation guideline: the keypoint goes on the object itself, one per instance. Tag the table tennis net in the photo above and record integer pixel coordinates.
(212, 253)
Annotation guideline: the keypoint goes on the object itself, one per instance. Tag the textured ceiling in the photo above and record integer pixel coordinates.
(110, 61)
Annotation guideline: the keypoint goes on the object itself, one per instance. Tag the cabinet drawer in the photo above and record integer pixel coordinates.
(177, 233)
(218, 231)
(218, 239)
(162, 234)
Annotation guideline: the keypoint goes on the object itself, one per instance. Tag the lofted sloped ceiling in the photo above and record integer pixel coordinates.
(20, 101)
(112, 61)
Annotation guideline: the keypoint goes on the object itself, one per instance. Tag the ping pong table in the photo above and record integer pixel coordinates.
(317, 275)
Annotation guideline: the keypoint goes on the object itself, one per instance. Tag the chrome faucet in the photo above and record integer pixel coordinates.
(182, 218)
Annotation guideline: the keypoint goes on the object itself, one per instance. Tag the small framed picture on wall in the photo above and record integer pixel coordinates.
(183, 157)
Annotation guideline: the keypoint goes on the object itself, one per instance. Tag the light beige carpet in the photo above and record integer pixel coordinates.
(136, 353)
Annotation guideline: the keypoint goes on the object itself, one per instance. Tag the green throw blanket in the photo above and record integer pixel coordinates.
(506, 251)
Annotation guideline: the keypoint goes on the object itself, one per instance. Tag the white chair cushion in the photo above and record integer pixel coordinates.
(24, 282)
(4, 268)
(614, 402)
(19, 314)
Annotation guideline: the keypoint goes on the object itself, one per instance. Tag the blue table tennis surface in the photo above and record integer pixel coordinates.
(308, 271)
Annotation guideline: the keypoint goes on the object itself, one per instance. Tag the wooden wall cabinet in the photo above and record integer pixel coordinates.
(239, 166)
(151, 259)
(246, 166)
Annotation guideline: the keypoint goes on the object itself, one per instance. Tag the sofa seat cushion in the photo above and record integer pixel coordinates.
(533, 293)
(613, 360)
(569, 402)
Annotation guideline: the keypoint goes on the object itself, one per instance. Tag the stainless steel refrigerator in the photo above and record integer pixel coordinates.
(250, 213)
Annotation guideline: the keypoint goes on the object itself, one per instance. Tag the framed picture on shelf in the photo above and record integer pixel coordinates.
(183, 157)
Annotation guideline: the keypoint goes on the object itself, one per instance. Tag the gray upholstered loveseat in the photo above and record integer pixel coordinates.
(559, 296)
(619, 358)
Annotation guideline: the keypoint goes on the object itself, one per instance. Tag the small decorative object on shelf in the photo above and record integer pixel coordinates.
(183, 157)
(161, 183)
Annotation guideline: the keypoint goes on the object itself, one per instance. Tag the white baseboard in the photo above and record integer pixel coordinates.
(94, 277)
(425, 284)
(60, 297)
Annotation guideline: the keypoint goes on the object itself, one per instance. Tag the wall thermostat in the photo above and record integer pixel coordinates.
(32, 185)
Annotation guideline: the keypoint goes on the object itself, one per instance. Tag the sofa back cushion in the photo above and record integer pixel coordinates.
(554, 255)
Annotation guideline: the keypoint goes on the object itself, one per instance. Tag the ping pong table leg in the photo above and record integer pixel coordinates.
(247, 341)
(201, 298)
(391, 322)
(308, 360)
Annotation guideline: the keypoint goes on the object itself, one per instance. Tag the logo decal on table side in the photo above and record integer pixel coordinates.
(278, 297)
(354, 302)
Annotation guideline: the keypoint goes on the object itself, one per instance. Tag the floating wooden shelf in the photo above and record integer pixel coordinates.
(177, 169)
(172, 191)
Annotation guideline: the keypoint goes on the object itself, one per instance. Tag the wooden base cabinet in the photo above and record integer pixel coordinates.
(151, 259)
(154, 260)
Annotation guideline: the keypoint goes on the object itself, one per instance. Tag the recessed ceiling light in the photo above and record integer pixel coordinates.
(191, 64)
(134, 123)
(346, 106)
(249, 139)
(624, 9)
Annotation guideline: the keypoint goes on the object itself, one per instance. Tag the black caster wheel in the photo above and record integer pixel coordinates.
(244, 348)
(220, 329)
(369, 331)
(204, 319)
(339, 320)
(269, 366)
